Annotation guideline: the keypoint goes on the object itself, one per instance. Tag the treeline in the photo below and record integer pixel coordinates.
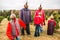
(6, 14)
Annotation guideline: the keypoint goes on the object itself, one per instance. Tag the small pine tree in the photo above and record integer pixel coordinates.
(56, 17)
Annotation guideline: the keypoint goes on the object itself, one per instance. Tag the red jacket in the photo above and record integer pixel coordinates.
(53, 22)
(9, 28)
(41, 19)
(38, 21)
(42, 12)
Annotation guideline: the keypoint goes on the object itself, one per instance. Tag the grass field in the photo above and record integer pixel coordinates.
(43, 35)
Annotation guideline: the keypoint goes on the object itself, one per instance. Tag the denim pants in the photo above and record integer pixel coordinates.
(37, 30)
(40, 29)
(18, 38)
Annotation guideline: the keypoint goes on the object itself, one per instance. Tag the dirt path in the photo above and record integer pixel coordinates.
(43, 35)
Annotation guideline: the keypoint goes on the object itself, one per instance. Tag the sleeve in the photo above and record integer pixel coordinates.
(36, 13)
(54, 23)
(22, 24)
(43, 16)
(35, 18)
(30, 16)
(49, 21)
(42, 22)
(21, 14)
(9, 30)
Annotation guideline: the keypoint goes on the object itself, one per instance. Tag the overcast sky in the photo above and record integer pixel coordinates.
(33, 4)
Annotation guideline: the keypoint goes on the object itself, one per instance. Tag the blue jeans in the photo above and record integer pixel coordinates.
(40, 29)
(37, 30)
(18, 38)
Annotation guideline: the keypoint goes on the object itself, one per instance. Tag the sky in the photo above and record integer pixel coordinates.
(33, 4)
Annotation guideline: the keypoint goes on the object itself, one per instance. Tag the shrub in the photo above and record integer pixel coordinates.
(56, 17)
(57, 25)
(55, 13)
(46, 17)
(1, 18)
(17, 16)
(59, 17)
(5, 13)
(8, 18)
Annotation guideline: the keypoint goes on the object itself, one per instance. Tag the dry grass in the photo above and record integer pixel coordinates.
(43, 35)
